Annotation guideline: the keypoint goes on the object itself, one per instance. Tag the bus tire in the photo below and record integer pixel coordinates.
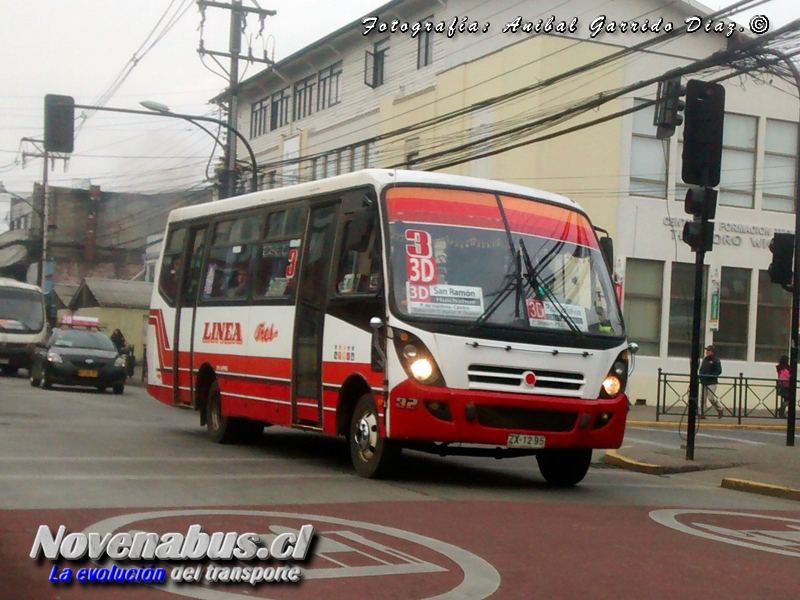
(10, 371)
(118, 389)
(221, 429)
(564, 467)
(373, 456)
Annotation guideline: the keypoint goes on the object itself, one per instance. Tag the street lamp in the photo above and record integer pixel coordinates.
(163, 109)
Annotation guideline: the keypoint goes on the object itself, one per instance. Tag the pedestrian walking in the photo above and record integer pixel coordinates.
(783, 385)
(118, 339)
(710, 370)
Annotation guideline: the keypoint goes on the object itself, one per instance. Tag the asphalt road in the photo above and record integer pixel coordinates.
(441, 528)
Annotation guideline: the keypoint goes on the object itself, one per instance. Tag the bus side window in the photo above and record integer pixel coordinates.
(171, 264)
(279, 257)
(360, 272)
(170, 273)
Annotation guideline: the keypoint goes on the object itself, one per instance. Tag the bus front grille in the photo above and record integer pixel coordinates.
(490, 377)
(525, 419)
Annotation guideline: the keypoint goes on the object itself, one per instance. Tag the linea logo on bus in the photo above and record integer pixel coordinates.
(222, 333)
(264, 333)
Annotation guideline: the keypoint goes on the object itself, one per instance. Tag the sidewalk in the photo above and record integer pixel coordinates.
(768, 469)
(136, 380)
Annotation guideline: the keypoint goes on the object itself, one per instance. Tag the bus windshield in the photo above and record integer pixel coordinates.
(483, 258)
(21, 310)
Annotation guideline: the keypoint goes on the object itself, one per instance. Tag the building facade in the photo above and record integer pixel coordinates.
(517, 91)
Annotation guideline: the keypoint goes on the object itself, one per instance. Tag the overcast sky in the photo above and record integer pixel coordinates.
(81, 47)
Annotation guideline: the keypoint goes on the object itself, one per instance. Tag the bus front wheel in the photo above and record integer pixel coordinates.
(564, 467)
(373, 456)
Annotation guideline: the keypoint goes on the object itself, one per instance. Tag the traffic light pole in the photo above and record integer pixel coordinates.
(694, 377)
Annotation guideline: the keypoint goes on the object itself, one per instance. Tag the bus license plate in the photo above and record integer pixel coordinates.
(87, 373)
(519, 440)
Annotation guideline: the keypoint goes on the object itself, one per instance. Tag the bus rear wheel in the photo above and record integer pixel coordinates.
(228, 430)
(373, 456)
(564, 467)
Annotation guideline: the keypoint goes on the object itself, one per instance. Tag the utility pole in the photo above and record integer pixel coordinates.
(238, 23)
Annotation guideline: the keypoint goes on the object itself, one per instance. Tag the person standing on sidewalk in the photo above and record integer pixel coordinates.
(783, 385)
(710, 370)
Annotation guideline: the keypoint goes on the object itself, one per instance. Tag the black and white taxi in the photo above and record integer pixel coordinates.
(78, 354)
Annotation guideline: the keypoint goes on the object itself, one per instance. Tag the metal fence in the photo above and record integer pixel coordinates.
(741, 397)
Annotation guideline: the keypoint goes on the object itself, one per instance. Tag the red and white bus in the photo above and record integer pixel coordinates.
(400, 309)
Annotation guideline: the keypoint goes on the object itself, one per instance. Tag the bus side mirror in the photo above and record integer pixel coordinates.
(607, 249)
(360, 229)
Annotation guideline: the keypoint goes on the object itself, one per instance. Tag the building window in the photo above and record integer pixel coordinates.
(649, 157)
(304, 97)
(375, 64)
(372, 155)
(279, 115)
(359, 157)
(328, 87)
(681, 309)
(773, 320)
(425, 44)
(643, 282)
(737, 180)
(346, 160)
(259, 112)
(780, 164)
(319, 167)
(734, 311)
(412, 158)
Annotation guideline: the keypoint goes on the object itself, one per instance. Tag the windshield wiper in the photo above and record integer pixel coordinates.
(512, 280)
(535, 282)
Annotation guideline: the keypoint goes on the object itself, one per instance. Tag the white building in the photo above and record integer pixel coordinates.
(363, 97)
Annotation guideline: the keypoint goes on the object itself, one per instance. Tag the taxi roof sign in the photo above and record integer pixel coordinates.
(79, 321)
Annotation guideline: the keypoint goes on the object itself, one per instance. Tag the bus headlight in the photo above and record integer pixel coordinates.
(417, 360)
(120, 362)
(421, 369)
(612, 385)
(617, 377)
(54, 357)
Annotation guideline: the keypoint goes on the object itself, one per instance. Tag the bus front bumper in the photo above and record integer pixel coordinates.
(419, 413)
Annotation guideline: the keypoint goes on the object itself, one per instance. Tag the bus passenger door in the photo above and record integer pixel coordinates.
(315, 266)
(185, 307)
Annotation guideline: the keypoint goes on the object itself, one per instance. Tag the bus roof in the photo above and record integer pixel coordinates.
(379, 177)
(13, 283)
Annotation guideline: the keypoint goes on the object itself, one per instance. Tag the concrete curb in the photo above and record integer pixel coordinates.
(765, 489)
(706, 425)
(613, 458)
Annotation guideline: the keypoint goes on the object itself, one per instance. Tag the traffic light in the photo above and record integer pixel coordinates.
(59, 123)
(701, 202)
(781, 270)
(702, 133)
(699, 235)
(669, 107)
